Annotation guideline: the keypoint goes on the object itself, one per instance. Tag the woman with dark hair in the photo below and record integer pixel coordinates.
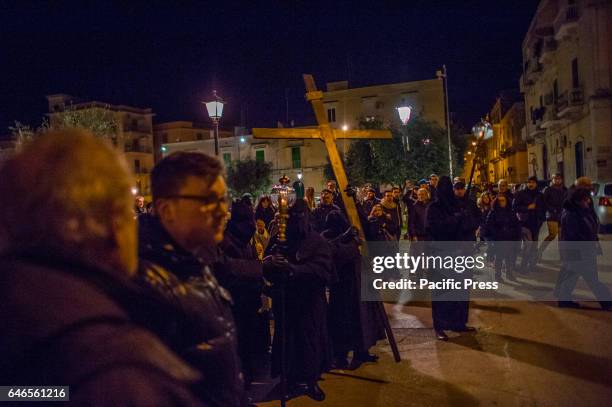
(265, 210)
(579, 248)
(378, 225)
(504, 229)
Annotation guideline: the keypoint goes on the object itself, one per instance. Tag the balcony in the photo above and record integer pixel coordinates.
(524, 84)
(548, 50)
(130, 148)
(550, 119)
(566, 23)
(536, 129)
(569, 103)
(533, 69)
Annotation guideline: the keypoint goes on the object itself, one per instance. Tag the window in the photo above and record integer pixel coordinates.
(331, 115)
(137, 166)
(579, 157)
(555, 91)
(227, 159)
(260, 156)
(575, 78)
(199, 136)
(296, 157)
(134, 124)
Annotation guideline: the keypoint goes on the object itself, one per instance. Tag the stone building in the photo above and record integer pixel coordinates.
(567, 74)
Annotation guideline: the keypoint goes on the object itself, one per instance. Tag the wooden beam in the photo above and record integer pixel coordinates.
(287, 133)
(373, 134)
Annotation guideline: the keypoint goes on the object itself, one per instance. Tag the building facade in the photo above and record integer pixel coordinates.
(506, 152)
(134, 136)
(288, 157)
(566, 81)
(346, 107)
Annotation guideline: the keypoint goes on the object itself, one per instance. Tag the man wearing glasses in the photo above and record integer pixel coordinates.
(189, 195)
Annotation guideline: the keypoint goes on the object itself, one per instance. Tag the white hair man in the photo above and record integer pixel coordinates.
(68, 248)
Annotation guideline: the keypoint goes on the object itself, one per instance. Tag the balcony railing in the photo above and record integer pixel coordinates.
(570, 102)
(533, 69)
(129, 148)
(548, 50)
(566, 22)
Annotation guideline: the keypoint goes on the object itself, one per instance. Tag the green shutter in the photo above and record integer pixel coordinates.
(260, 156)
(296, 157)
(227, 158)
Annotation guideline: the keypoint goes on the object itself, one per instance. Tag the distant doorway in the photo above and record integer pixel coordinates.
(579, 151)
(544, 162)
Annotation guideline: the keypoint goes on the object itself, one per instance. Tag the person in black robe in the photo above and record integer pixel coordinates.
(302, 267)
(353, 325)
(449, 221)
(244, 280)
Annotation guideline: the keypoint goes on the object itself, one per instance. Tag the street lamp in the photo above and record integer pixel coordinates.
(441, 74)
(482, 131)
(215, 111)
(404, 114)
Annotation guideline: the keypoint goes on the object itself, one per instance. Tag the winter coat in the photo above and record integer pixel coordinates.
(187, 283)
(395, 223)
(319, 214)
(502, 225)
(64, 323)
(578, 225)
(365, 207)
(530, 218)
(553, 200)
(378, 229)
(417, 220)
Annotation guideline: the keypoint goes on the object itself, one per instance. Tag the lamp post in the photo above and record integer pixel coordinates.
(442, 75)
(482, 131)
(215, 111)
(404, 114)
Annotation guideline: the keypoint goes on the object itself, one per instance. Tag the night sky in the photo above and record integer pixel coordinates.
(170, 58)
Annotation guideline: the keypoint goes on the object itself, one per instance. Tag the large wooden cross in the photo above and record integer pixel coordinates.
(329, 136)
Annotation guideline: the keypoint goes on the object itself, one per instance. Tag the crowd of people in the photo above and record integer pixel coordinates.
(170, 303)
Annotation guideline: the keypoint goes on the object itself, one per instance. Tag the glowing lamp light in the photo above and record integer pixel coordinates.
(164, 149)
(404, 114)
(483, 130)
(134, 190)
(469, 153)
(344, 127)
(242, 139)
(299, 176)
(215, 107)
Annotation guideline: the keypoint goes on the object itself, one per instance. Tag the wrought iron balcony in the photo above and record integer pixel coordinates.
(569, 103)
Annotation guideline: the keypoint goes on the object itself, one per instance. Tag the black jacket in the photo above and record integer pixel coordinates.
(205, 326)
(319, 214)
(531, 218)
(417, 220)
(502, 225)
(553, 200)
(63, 323)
